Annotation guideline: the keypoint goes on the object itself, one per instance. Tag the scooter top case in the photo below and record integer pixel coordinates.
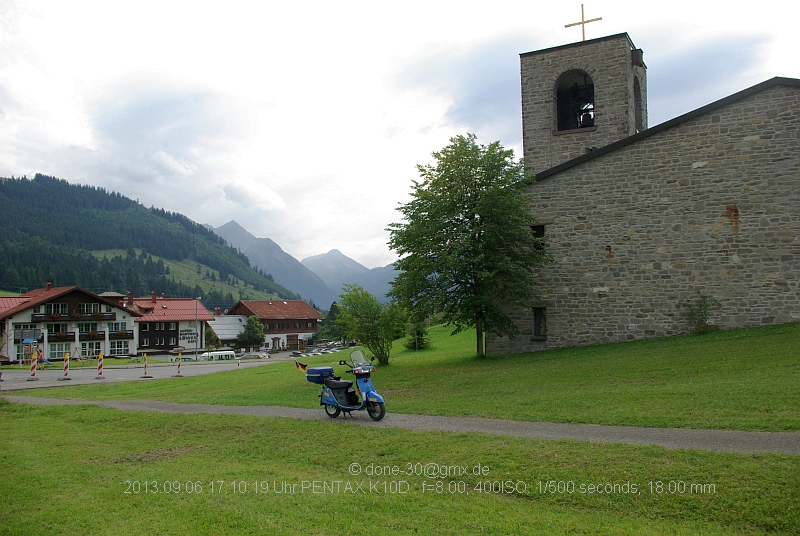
(319, 374)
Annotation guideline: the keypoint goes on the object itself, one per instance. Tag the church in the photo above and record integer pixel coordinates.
(644, 223)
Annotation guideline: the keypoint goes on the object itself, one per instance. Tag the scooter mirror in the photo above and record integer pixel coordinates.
(371, 359)
(342, 362)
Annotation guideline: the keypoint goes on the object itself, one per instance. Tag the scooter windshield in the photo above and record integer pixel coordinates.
(359, 359)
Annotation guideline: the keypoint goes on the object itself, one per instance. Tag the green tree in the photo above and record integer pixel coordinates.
(418, 338)
(329, 328)
(212, 340)
(466, 243)
(253, 334)
(372, 323)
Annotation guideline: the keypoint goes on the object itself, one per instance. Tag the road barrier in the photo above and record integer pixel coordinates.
(34, 359)
(179, 375)
(100, 368)
(66, 368)
(145, 368)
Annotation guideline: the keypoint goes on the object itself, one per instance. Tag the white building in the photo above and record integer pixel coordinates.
(61, 320)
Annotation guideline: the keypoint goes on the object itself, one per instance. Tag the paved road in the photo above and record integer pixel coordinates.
(671, 438)
(19, 378)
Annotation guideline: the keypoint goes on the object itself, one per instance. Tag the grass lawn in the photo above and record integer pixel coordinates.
(91, 470)
(744, 380)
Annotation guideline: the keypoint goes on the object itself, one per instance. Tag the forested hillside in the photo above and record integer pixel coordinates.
(48, 229)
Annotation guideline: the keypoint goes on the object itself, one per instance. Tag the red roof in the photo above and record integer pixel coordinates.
(11, 302)
(44, 295)
(276, 309)
(160, 309)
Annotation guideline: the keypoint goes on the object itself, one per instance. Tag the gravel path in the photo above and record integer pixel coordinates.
(671, 438)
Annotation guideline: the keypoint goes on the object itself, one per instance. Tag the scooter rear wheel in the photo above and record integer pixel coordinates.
(376, 410)
(332, 411)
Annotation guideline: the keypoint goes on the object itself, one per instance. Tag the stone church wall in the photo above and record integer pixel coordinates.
(709, 206)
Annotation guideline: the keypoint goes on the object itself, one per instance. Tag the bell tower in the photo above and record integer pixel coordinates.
(579, 97)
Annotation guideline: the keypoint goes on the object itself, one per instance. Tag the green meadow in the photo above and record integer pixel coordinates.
(90, 470)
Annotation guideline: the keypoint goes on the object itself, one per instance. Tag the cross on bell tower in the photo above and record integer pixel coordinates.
(583, 22)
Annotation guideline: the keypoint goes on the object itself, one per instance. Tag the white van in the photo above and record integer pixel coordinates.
(218, 355)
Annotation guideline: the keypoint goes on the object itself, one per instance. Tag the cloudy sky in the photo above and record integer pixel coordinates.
(304, 121)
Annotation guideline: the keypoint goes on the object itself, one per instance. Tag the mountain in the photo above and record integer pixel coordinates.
(267, 256)
(334, 268)
(377, 281)
(337, 270)
(53, 231)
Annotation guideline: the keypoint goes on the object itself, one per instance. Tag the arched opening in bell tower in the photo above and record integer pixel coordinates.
(575, 101)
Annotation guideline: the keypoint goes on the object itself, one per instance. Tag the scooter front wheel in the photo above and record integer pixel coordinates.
(332, 411)
(376, 410)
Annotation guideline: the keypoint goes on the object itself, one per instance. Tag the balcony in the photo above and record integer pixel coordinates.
(61, 336)
(49, 317)
(120, 335)
(92, 336)
(75, 317)
(105, 317)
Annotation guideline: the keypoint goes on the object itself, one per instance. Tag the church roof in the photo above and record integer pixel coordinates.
(623, 35)
(767, 84)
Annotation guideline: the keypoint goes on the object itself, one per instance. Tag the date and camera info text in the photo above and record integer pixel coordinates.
(427, 478)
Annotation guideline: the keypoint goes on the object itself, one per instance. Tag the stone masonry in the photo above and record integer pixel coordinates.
(706, 204)
(619, 76)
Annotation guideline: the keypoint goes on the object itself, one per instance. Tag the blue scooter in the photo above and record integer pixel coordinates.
(338, 395)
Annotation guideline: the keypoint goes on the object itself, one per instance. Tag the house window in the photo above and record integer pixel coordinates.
(145, 327)
(56, 308)
(56, 328)
(86, 327)
(118, 348)
(173, 326)
(145, 342)
(58, 350)
(537, 231)
(90, 349)
(575, 101)
(117, 326)
(172, 341)
(88, 308)
(539, 323)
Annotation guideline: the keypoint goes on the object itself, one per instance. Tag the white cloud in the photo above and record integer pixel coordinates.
(304, 121)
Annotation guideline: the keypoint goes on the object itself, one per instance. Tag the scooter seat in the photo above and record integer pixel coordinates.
(337, 384)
